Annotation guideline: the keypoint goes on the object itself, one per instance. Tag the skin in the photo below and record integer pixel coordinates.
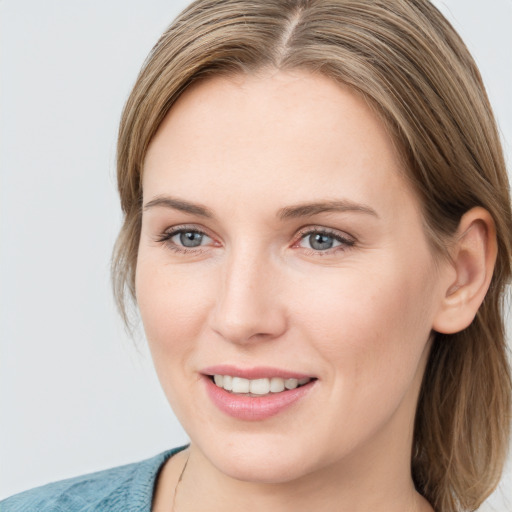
(358, 316)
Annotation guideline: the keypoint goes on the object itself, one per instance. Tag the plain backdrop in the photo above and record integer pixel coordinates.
(76, 394)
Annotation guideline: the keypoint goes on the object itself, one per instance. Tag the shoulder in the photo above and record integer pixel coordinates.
(126, 488)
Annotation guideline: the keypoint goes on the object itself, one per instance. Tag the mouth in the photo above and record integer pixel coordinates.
(255, 394)
(258, 387)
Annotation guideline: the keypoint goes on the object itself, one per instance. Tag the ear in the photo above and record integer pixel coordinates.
(473, 257)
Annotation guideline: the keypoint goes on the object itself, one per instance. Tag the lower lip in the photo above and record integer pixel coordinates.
(255, 408)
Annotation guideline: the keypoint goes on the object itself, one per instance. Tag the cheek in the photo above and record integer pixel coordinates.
(172, 303)
(173, 306)
(371, 327)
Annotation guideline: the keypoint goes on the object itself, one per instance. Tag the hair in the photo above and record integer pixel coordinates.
(408, 62)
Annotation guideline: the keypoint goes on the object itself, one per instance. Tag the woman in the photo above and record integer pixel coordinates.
(317, 235)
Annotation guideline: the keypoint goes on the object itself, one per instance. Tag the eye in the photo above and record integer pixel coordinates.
(190, 238)
(184, 239)
(319, 240)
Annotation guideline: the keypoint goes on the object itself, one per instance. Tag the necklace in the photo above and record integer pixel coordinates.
(178, 483)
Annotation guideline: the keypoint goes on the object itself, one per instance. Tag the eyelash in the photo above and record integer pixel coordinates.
(165, 238)
(346, 242)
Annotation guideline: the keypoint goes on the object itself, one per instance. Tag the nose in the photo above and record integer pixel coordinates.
(248, 306)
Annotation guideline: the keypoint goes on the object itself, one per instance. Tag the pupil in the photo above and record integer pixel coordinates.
(191, 239)
(321, 242)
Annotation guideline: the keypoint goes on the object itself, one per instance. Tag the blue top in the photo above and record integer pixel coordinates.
(126, 488)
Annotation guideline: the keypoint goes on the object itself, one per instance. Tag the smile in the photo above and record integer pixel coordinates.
(257, 387)
(256, 394)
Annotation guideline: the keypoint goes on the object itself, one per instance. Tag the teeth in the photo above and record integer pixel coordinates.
(291, 383)
(276, 384)
(240, 385)
(257, 386)
(228, 383)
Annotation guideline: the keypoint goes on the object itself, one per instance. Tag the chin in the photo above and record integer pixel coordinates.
(262, 471)
(261, 462)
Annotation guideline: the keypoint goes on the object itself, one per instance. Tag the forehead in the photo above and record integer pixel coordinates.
(291, 134)
(301, 106)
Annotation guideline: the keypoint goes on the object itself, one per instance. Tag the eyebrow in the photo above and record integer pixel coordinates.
(288, 212)
(179, 204)
(309, 209)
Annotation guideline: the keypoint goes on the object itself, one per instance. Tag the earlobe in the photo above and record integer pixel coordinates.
(473, 257)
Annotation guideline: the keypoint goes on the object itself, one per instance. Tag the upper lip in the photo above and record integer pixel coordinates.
(256, 372)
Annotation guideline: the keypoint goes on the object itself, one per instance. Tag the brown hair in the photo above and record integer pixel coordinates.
(410, 64)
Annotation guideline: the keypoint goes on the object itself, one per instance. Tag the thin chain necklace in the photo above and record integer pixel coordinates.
(178, 483)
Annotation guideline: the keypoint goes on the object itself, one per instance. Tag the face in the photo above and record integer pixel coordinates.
(281, 247)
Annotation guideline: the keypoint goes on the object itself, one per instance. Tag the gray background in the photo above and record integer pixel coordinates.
(76, 394)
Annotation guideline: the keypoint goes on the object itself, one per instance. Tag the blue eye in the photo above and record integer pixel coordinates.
(183, 239)
(189, 238)
(323, 241)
